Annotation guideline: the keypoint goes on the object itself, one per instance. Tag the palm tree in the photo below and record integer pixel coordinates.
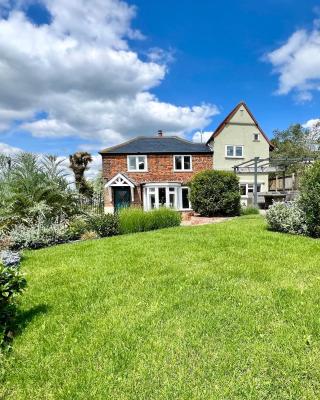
(79, 163)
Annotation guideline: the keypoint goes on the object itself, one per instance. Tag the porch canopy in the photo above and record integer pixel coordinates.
(120, 180)
(259, 165)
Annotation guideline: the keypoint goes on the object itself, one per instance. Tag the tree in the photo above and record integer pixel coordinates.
(79, 163)
(293, 142)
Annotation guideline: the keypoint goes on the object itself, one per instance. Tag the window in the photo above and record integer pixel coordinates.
(234, 151)
(168, 195)
(182, 163)
(256, 137)
(185, 198)
(160, 196)
(137, 163)
(246, 188)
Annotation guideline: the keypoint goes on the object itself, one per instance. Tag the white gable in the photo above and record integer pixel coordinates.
(242, 116)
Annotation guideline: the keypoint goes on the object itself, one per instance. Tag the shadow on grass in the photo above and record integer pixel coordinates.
(22, 319)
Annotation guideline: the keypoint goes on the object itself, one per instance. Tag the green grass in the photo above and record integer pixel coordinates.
(225, 311)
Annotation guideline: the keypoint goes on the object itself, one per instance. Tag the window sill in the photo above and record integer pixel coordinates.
(138, 170)
(234, 157)
(182, 170)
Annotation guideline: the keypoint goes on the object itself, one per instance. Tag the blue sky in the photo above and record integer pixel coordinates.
(70, 82)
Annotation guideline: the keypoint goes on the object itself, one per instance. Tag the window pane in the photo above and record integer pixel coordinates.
(172, 200)
(256, 136)
(250, 188)
(230, 151)
(259, 188)
(187, 162)
(185, 198)
(162, 196)
(243, 190)
(132, 163)
(239, 151)
(152, 200)
(178, 162)
(141, 161)
(171, 189)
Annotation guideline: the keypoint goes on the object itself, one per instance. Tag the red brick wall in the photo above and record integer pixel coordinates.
(160, 168)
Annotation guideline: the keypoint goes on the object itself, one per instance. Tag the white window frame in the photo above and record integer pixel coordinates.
(154, 189)
(247, 188)
(234, 150)
(182, 163)
(137, 163)
(254, 135)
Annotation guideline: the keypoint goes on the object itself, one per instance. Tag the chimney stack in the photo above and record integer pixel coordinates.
(160, 133)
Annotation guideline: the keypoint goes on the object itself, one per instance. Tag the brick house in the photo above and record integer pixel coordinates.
(152, 171)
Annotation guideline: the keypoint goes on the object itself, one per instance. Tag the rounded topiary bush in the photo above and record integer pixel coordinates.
(215, 193)
(310, 198)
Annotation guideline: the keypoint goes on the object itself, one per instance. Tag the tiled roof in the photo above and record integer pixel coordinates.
(164, 144)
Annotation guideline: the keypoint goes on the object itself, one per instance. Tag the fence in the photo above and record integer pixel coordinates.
(93, 204)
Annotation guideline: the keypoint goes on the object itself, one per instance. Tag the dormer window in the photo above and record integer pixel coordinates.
(256, 137)
(137, 163)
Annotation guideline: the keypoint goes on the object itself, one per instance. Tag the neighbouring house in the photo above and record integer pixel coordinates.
(154, 171)
(237, 139)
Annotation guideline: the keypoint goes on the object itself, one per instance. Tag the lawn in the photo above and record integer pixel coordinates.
(225, 311)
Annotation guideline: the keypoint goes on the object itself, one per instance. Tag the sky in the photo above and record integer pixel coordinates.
(85, 75)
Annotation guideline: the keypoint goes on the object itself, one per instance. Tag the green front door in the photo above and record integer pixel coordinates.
(122, 197)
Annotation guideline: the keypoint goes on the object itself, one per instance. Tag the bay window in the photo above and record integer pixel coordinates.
(170, 195)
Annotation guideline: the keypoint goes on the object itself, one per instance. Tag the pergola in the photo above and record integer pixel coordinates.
(269, 165)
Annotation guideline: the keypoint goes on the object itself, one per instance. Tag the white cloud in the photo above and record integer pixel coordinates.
(201, 137)
(7, 149)
(311, 123)
(81, 72)
(298, 63)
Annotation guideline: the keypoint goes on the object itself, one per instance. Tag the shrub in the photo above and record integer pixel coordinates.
(249, 210)
(77, 227)
(104, 224)
(10, 258)
(134, 219)
(89, 235)
(42, 234)
(287, 217)
(11, 284)
(215, 193)
(310, 198)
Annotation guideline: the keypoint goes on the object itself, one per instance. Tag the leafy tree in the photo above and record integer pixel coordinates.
(293, 142)
(79, 163)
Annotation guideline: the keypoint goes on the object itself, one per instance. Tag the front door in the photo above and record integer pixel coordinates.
(122, 197)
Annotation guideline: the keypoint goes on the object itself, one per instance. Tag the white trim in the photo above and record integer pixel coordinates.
(182, 163)
(234, 150)
(119, 180)
(246, 184)
(137, 163)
